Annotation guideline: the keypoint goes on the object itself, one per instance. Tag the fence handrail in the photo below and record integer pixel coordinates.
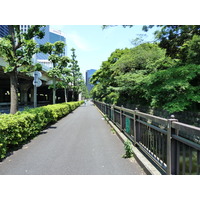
(186, 127)
(164, 138)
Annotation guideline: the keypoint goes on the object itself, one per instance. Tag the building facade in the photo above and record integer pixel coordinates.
(24, 28)
(88, 76)
(3, 30)
(51, 36)
(42, 56)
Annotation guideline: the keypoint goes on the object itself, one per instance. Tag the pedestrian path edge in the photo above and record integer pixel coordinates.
(141, 159)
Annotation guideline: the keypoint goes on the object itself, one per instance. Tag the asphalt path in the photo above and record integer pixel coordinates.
(81, 143)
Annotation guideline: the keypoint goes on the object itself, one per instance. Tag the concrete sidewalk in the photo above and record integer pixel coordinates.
(82, 143)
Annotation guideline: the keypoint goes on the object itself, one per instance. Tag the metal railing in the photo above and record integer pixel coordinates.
(171, 145)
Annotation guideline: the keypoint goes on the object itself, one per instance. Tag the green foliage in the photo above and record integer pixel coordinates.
(140, 58)
(84, 90)
(190, 51)
(128, 149)
(17, 49)
(54, 72)
(172, 37)
(59, 70)
(174, 89)
(53, 49)
(17, 128)
(144, 75)
(76, 76)
(104, 79)
(120, 79)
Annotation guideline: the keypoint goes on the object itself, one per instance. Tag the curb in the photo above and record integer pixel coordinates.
(140, 158)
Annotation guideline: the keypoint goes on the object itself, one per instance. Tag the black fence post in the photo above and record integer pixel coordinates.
(121, 120)
(137, 134)
(171, 147)
(114, 114)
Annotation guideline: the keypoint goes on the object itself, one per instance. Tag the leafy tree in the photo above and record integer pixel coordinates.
(55, 52)
(76, 75)
(119, 79)
(83, 89)
(104, 78)
(17, 50)
(190, 51)
(172, 37)
(174, 89)
(65, 75)
(133, 68)
(164, 75)
(140, 58)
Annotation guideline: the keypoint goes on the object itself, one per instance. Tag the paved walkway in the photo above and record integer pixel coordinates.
(81, 143)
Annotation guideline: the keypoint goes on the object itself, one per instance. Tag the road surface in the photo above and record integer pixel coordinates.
(81, 143)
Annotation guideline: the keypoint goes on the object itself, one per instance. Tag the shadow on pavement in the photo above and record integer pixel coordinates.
(13, 148)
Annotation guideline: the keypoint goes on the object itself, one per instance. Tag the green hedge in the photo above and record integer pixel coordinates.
(17, 128)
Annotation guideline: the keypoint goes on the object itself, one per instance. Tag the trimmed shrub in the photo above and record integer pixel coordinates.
(16, 129)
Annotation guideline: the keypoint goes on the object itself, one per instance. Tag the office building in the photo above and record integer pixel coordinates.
(51, 36)
(89, 74)
(3, 30)
(24, 28)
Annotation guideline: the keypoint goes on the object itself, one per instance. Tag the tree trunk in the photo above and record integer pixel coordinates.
(13, 92)
(65, 91)
(72, 94)
(54, 90)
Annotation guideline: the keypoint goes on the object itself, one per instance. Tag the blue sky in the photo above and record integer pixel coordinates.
(94, 45)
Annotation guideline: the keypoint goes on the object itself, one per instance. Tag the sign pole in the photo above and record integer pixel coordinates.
(35, 96)
(37, 83)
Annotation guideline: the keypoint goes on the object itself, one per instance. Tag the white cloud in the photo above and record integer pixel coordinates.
(79, 41)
